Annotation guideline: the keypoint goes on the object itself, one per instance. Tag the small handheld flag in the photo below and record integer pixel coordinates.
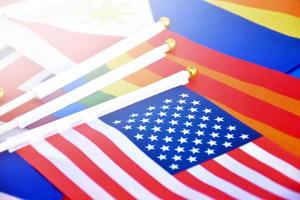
(89, 88)
(19, 141)
(61, 80)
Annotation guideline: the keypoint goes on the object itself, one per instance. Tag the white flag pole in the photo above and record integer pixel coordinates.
(19, 141)
(89, 88)
(63, 79)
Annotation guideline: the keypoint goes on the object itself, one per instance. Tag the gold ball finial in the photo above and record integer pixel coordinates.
(193, 71)
(165, 21)
(1, 93)
(171, 43)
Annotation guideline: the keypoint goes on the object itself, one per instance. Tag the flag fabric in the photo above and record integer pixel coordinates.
(175, 145)
(216, 28)
(275, 95)
(235, 84)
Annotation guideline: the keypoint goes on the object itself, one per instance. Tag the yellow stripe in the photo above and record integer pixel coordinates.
(282, 139)
(119, 88)
(280, 22)
(117, 62)
(286, 103)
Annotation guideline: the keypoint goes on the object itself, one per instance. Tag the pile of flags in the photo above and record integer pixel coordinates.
(108, 100)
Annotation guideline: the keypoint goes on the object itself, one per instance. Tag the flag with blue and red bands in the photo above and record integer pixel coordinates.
(225, 32)
(179, 129)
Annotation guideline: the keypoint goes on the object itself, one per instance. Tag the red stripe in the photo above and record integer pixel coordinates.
(277, 151)
(198, 185)
(247, 105)
(240, 182)
(123, 161)
(232, 66)
(53, 174)
(88, 167)
(264, 169)
(86, 45)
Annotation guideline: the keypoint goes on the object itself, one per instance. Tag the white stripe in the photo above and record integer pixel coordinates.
(145, 162)
(272, 161)
(255, 177)
(33, 46)
(5, 62)
(107, 165)
(4, 196)
(34, 81)
(70, 170)
(207, 177)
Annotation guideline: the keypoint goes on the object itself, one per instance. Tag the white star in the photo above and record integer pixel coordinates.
(194, 150)
(156, 129)
(244, 136)
(197, 141)
(145, 120)
(165, 107)
(182, 140)
(227, 144)
(210, 151)
(176, 115)
(117, 122)
(187, 124)
(185, 131)
(139, 136)
(153, 138)
(201, 125)
(159, 121)
(151, 108)
(212, 143)
(147, 114)
(219, 119)
(229, 136)
(199, 133)
(195, 102)
(127, 127)
(179, 108)
(214, 135)
(134, 115)
(131, 120)
(190, 116)
(162, 157)
(173, 166)
(184, 95)
(192, 109)
(171, 130)
(150, 147)
(206, 110)
(179, 149)
(168, 139)
(231, 128)
(204, 118)
(192, 159)
(176, 158)
(217, 127)
(141, 128)
(165, 148)
(173, 122)
(162, 114)
(181, 101)
(168, 101)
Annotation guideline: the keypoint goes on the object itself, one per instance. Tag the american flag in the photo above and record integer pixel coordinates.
(175, 145)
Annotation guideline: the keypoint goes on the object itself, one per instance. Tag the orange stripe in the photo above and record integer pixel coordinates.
(280, 138)
(286, 103)
(291, 7)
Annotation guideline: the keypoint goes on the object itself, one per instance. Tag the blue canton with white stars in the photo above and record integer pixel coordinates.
(179, 129)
